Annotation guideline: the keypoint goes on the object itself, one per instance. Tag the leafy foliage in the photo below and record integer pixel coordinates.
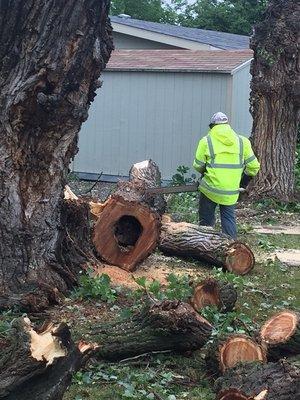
(178, 288)
(182, 176)
(95, 287)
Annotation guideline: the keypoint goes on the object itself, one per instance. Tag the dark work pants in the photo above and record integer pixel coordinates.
(207, 216)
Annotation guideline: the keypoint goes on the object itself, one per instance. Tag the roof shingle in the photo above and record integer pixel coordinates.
(178, 60)
(221, 40)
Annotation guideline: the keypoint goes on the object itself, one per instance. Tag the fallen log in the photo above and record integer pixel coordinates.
(281, 334)
(38, 365)
(162, 326)
(211, 292)
(272, 381)
(225, 353)
(204, 243)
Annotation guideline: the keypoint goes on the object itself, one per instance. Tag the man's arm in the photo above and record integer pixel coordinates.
(252, 165)
(200, 158)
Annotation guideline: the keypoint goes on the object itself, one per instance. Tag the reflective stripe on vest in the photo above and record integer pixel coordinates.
(212, 155)
(218, 191)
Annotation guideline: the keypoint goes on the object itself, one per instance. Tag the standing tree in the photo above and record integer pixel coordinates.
(51, 55)
(275, 98)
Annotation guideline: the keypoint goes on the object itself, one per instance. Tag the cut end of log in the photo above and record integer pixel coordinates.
(126, 232)
(240, 259)
(206, 294)
(232, 394)
(46, 345)
(280, 327)
(69, 194)
(239, 349)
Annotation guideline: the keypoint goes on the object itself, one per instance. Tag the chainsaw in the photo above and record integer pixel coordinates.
(178, 189)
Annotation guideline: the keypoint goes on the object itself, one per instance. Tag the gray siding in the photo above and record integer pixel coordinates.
(241, 117)
(140, 115)
(122, 41)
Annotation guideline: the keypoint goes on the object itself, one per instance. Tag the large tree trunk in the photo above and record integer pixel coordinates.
(38, 365)
(164, 326)
(272, 381)
(275, 98)
(204, 243)
(51, 55)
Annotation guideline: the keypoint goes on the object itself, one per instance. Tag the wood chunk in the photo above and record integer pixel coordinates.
(225, 353)
(162, 326)
(256, 381)
(126, 232)
(211, 292)
(281, 334)
(204, 243)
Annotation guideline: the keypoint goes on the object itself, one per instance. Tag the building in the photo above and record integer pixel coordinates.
(157, 104)
(132, 33)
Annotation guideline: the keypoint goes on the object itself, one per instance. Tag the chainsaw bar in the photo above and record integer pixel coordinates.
(173, 189)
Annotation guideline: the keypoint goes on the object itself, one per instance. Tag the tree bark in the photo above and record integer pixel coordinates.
(275, 98)
(226, 352)
(211, 292)
(272, 381)
(148, 174)
(281, 335)
(163, 326)
(202, 243)
(38, 364)
(51, 55)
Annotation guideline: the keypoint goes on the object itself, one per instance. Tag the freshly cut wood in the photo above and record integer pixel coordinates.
(204, 243)
(226, 353)
(281, 334)
(212, 292)
(126, 231)
(69, 194)
(38, 365)
(148, 174)
(162, 326)
(271, 381)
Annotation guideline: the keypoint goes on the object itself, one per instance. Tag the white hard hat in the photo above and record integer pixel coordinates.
(219, 118)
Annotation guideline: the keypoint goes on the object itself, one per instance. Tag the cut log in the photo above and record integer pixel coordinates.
(211, 292)
(281, 334)
(126, 231)
(38, 365)
(148, 174)
(227, 352)
(204, 243)
(272, 381)
(163, 326)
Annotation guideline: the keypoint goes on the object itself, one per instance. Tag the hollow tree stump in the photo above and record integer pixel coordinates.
(163, 326)
(126, 231)
(204, 243)
(272, 381)
(38, 365)
(281, 334)
(211, 292)
(225, 353)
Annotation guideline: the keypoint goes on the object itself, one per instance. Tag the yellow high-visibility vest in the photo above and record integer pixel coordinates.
(222, 156)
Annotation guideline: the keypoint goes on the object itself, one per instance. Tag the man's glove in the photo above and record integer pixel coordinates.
(245, 180)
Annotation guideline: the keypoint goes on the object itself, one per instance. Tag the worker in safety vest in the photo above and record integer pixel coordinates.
(223, 157)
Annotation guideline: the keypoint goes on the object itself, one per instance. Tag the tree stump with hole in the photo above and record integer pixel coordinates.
(204, 243)
(281, 334)
(272, 381)
(39, 364)
(227, 352)
(211, 292)
(162, 326)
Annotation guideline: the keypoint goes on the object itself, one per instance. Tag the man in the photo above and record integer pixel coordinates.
(222, 157)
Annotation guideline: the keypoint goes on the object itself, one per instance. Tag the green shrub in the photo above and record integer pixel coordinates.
(95, 287)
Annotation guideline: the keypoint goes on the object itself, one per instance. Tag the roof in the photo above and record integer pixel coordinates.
(221, 40)
(217, 61)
